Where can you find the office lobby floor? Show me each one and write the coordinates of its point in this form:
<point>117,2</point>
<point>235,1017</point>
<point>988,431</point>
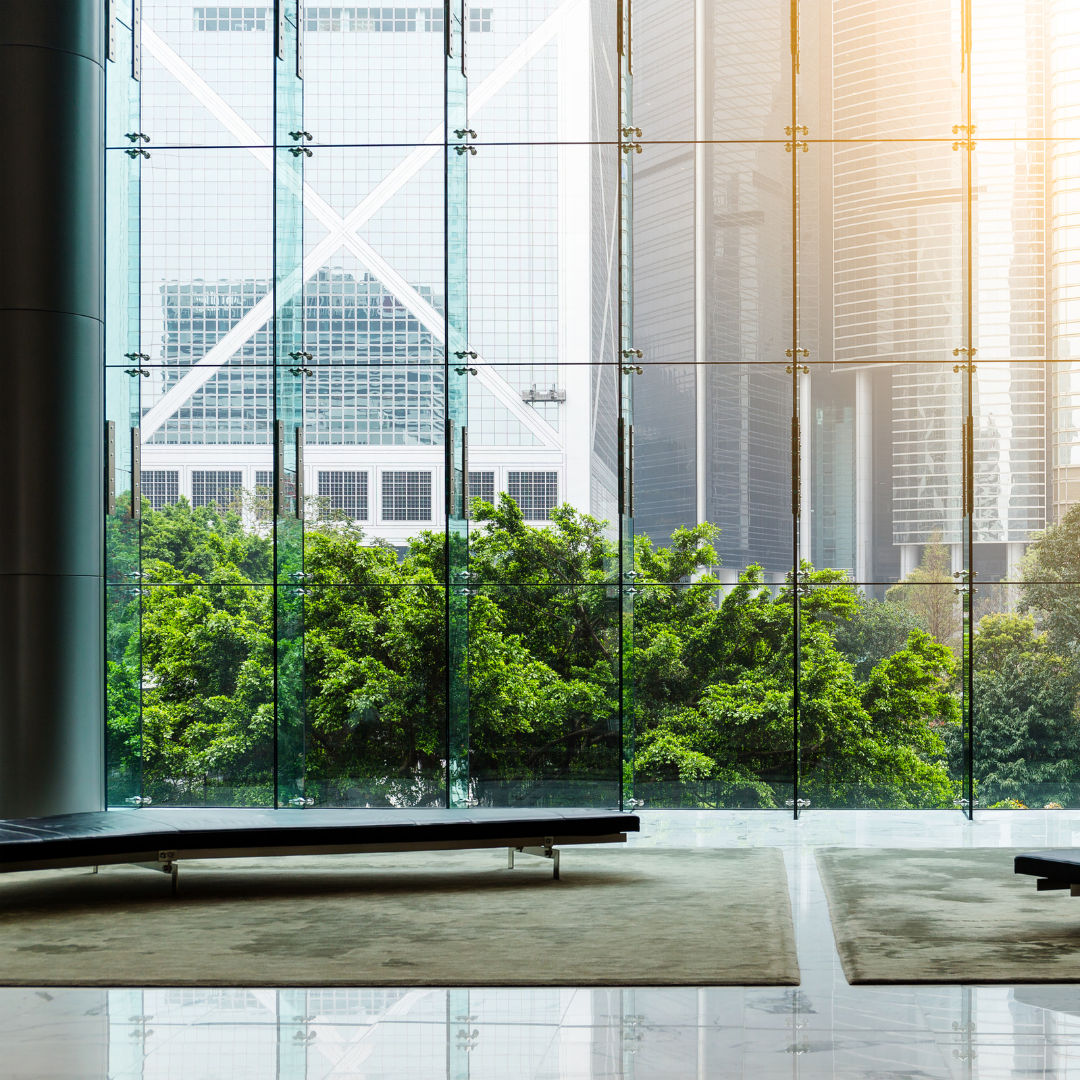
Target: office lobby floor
<point>824,1028</point>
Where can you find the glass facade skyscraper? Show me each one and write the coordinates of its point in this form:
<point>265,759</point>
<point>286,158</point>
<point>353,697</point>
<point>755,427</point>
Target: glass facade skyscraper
<point>881,216</point>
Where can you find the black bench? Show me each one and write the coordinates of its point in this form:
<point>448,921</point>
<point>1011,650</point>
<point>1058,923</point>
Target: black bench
<point>161,838</point>
<point>1055,869</point>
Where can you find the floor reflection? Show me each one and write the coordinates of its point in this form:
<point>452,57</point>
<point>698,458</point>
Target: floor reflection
<point>824,1028</point>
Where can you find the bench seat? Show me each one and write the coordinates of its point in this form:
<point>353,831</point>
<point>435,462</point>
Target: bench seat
<point>1059,869</point>
<point>163,837</point>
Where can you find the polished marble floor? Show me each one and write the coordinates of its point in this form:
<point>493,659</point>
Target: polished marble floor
<point>825,1028</point>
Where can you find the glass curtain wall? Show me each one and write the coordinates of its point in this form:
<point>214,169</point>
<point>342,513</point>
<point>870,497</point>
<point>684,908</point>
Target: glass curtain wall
<point>583,404</point>
<point>369,405</point>
<point>853,278</point>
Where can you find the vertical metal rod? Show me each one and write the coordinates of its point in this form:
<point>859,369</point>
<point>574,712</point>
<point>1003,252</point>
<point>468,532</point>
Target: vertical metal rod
<point>451,469</point>
<point>279,37</point>
<point>137,40</point>
<point>279,468</point>
<point>110,30</point>
<point>623,119</point>
<point>969,448</point>
<point>796,469</point>
<point>700,291</point>
<point>136,474</point>
<point>630,471</point>
<point>300,470</point>
<point>465,494</point>
<point>464,40</point>
<point>110,467</point>
<point>621,454</point>
<point>448,442</point>
<point>299,39</point>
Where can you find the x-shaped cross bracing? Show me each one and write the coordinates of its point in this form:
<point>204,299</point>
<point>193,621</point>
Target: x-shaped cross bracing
<point>341,231</point>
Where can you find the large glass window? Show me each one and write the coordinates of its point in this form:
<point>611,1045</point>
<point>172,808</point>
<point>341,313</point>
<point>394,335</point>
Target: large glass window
<point>580,402</point>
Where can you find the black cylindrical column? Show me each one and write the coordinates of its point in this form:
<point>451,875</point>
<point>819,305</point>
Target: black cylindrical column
<point>51,428</point>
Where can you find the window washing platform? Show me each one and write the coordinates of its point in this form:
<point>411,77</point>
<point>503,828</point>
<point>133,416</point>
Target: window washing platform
<point>160,839</point>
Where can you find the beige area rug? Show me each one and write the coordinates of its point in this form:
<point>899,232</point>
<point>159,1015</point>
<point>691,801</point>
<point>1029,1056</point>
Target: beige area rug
<point>952,915</point>
<point>619,916</point>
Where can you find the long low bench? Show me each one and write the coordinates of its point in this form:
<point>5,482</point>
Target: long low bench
<point>1058,869</point>
<point>161,839</point>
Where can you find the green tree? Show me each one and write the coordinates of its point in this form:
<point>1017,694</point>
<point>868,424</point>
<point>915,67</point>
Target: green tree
<point>875,631</point>
<point>1051,582</point>
<point>1027,734</point>
<point>929,593</point>
<point>712,678</point>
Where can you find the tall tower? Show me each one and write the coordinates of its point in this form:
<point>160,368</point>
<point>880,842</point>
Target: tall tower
<point>1065,255</point>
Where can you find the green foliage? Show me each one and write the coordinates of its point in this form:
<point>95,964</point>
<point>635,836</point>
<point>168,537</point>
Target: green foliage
<point>716,715</point>
<point>875,631</point>
<point>1051,586</point>
<point>711,672</point>
<point>1028,744</point>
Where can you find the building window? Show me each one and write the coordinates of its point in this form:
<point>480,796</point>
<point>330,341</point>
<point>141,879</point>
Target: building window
<point>217,487</point>
<point>482,486</point>
<point>373,20</point>
<point>264,494</point>
<point>343,493</point>
<point>161,487</point>
<point>480,20</point>
<point>406,496</point>
<point>537,493</point>
<point>228,19</point>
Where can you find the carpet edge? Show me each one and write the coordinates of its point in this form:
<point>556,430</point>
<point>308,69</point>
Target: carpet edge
<point>791,946</point>
<point>848,963</point>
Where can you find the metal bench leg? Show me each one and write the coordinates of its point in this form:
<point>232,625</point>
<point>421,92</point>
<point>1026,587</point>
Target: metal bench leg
<point>167,864</point>
<point>509,858</point>
<point>548,851</point>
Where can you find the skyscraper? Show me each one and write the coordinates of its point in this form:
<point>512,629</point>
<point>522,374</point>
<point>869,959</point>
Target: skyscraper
<point>370,304</point>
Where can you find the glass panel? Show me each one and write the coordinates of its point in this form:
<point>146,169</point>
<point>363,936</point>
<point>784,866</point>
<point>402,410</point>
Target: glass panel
<point>292,372</point>
<point>208,690</point>
<point>374,324</point>
<point>123,716</point>
<point>460,355</point>
<point>375,676</point>
<point>1026,681</point>
<point>882,443</point>
<point>1009,72</point>
<point>895,70</point>
<point>374,75</point>
<point>881,692</point>
<point>206,73</point>
<point>1010,391</point>
<point>713,684</point>
<point>544,695</point>
<point>123,712</point>
<point>664,82</point>
<point>745,88</point>
<point>531,76</point>
<point>665,325</point>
